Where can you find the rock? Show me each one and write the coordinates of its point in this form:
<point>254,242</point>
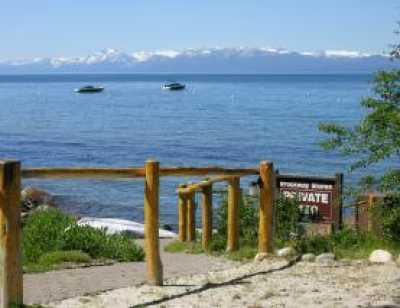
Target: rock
<point>286,252</point>
<point>33,197</point>
<point>308,257</point>
<point>33,200</point>
<point>325,258</point>
<point>261,256</point>
<point>380,256</point>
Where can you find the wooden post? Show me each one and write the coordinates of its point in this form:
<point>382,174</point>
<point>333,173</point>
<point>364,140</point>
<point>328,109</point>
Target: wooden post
<point>338,204</point>
<point>10,235</point>
<point>206,194</point>
<point>233,214</point>
<point>267,193</point>
<point>191,218</point>
<point>151,224</point>
<point>182,220</point>
<point>373,224</point>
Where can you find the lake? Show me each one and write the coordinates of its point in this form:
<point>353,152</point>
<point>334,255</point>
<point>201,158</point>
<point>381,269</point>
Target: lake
<point>226,120</point>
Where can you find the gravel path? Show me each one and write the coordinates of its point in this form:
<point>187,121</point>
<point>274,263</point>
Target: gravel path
<point>270,283</point>
<point>57,285</point>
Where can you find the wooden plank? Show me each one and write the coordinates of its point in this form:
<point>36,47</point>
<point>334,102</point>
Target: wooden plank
<point>151,224</point>
<point>135,172</point>
<point>233,215</point>
<point>202,171</point>
<point>267,194</point>
<point>206,217</point>
<point>191,218</point>
<point>92,173</point>
<point>189,189</point>
<point>10,235</point>
<point>182,220</point>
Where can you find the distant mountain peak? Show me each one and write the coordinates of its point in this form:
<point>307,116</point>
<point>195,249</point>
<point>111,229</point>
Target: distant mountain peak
<point>201,60</point>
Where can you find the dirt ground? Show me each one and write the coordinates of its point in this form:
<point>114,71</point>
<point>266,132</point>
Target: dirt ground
<point>57,285</point>
<point>270,283</point>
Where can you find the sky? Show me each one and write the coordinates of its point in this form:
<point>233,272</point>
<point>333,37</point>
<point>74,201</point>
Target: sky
<point>66,28</point>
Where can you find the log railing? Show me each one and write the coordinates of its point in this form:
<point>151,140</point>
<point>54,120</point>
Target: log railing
<point>186,209</point>
<point>10,225</point>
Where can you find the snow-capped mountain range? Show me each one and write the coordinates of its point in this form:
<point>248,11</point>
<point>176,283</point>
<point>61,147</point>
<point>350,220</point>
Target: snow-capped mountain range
<point>214,60</point>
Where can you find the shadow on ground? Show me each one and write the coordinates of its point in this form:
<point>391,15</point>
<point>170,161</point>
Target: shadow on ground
<point>208,286</point>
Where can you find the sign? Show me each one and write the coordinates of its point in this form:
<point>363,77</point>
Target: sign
<point>319,197</point>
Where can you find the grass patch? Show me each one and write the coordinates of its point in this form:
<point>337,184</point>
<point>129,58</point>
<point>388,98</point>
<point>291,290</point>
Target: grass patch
<point>53,260</point>
<point>52,237</point>
<point>26,306</point>
<point>185,247</point>
<point>56,257</point>
<point>346,243</point>
<point>245,251</point>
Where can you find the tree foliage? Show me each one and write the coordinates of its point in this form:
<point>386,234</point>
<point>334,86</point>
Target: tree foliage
<point>377,136</point>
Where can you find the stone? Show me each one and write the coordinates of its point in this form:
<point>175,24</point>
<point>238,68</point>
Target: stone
<point>34,200</point>
<point>325,258</point>
<point>380,256</point>
<point>32,197</point>
<point>286,252</point>
<point>261,256</point>
<point>308,257</point>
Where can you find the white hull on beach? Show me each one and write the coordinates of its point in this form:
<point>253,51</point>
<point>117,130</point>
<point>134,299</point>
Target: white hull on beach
<point>115,226</point>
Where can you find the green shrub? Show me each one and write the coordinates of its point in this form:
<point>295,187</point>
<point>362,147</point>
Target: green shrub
<point>87,239</point>
<point>387,217</point>
<point>316,244</point>
<point>98,244</point>
<point>49,236</point>
<point>44,232</point>
<point>124,249</point>
<point>248,219</point>
<point>288,217</point>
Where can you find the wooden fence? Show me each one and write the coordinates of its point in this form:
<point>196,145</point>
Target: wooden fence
<point>11,280</point>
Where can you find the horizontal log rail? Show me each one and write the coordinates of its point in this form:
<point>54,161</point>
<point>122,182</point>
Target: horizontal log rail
<point>134,172</point>
<point>190,188</point>
<point>10,189</point>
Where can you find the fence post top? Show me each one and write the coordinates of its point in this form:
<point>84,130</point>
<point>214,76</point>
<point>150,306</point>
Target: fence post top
<point>266,163</point>
<point>9,161</point>
<point>152,161</point>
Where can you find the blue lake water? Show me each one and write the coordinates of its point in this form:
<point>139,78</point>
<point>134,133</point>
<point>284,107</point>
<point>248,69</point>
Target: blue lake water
<point>226,120</point>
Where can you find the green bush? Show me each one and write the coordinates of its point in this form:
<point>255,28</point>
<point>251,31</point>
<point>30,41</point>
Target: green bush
<point>288,217</point>
<point>53,231</point>
<point>387,217</point>
<point>44,232</point>
<point>316,244</point>
<point>248,220</point>
<point>98,244</point>
<point>346,243</point>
